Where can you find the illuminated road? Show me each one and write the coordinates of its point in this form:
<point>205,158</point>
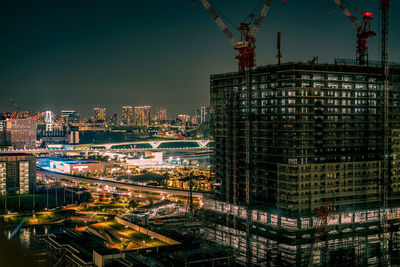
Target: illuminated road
<point>98,150</point>
<point>147,188</point>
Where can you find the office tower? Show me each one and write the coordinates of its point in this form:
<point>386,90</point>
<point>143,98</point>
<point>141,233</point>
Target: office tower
<point>161,115</point>
<point>17,173</point>
<point>183,119</point>
<point>127,115</point>
<point>142,115</point>
<point>315,140</point>
<point>69,117</point>
<point>196,119</point>
<point>205,114</point>
<point>100,115</point>
<point>22,133</point>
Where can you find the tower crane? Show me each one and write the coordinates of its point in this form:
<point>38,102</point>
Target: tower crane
<point>321,215</point>
<point>247,44</point>
<point>385,5</point>
<point>16,105</point>
<point>363,30</point>
<point>246,61</point>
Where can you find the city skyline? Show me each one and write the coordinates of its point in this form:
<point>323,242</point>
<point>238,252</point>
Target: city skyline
<point>107,52</point>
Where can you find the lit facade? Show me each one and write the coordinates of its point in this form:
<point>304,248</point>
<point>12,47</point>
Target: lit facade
<point>17,173</point>
<point>22,133</point>
<point>142,115</point>
<point>127,115</point>
<point>161,115</point>
<point>69,117</point>
<point>100,115</point>
<point>315,138</point>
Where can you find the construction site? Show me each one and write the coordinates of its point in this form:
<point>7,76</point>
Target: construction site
<point>307,154</point>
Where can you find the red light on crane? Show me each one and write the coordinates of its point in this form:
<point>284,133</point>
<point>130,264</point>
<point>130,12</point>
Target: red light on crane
<point>368,14</point>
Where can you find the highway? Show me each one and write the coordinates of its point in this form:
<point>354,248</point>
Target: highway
<point>147,188</point>
<point>97,150</point>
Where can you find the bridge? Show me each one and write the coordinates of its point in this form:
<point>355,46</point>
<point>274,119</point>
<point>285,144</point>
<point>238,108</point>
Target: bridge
<point>161,190</point>
<point>126,147</point>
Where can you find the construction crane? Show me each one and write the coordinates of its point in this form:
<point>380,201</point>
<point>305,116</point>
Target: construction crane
<point>385,5</point>
<point>363,30</point>
<point>322,216</point>
<point>247,44</point>
<point>15,104</point>
<point>246,61</point>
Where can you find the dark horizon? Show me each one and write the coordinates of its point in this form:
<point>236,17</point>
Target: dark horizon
<point>79,55</point>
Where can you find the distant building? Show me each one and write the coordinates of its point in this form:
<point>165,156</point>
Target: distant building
<point>155,160</point>
<point>142,115</point>
<point>114,119</point>
<point>22,133</point>
<point>183,119</point>
<point>161,115</point>
<point>69,116</point>
<point>127,115</point>
<point>73,166</point>
<point>197,117</point>
<point>17,173</point>
<point>99,115</point>
<point>205,114</point>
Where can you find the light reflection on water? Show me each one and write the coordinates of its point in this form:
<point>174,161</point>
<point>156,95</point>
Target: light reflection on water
<point>23,238</point>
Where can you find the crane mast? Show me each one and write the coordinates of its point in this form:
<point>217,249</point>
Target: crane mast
<point>385,5</point>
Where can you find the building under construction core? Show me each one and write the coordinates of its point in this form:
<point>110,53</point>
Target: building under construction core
<point>317,138</point>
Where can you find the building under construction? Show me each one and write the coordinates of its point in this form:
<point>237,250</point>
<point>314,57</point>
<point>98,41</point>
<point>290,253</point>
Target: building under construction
<point>306,136</point>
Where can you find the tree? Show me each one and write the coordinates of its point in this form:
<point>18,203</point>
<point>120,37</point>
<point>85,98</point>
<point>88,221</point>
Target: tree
<point>133,204</point>
<point>115,197</point>
<point>86,196</point>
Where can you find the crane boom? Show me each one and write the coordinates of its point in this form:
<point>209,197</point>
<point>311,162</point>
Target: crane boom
<point>219,21</point>
<point>348,14</point>
<point>258,21</point>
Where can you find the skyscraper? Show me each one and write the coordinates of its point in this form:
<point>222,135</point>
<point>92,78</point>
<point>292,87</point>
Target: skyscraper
<point>205,114</point>
<point>307,136</point>
<point>161,115</point>
<point>142,115</point>
<point>100,115</point>
<point>127,115</point>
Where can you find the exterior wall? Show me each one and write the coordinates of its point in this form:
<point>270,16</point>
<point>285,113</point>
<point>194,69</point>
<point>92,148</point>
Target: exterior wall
<point>22,133</point>
<point>142,115</point>
<point>71,168</point>
<point>306,119</point>
<point>17,174</point>
<point>127,115</point>
<point>352,236</point>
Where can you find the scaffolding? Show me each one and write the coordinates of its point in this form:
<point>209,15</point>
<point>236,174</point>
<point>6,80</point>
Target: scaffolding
<point>301,135</point>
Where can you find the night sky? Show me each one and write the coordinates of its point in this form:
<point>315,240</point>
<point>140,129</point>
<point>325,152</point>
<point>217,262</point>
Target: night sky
<point>78,54</point>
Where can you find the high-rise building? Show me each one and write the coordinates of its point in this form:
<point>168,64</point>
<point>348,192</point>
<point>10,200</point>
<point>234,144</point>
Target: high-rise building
<point>100,115</point>
<point>142,115</point>
<point>183,119</point>
<point>306,136</point>
<point>205,114</point>
<point>22,133</point>
<point>69,117</point>
<point>17,173</point>
<point>127,115</point>
<point>161,115</point>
